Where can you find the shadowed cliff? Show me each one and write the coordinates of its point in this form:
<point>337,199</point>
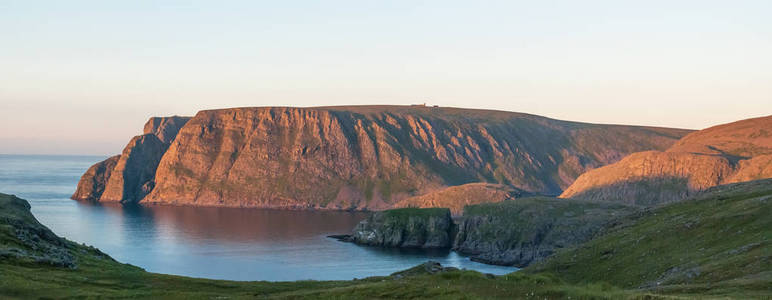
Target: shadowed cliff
<point>128,177</point>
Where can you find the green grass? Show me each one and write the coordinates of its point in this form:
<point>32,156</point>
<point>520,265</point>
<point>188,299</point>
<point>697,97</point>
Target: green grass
<point>724,233</point>
<point>716,243</point>
<point>510,221</point>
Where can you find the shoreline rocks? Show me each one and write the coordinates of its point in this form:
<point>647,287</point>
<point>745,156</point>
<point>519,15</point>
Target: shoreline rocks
<point>509,233</point>
<point>405,228</point>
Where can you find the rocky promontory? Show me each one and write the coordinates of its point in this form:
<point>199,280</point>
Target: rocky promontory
<point>356,157</point>
<point>527,230</point>
<point>130,176</point>
<point>510,233</point>
<point>405,228</point>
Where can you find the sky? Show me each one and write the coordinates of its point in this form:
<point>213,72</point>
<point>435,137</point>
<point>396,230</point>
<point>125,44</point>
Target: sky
<point>82,77</point>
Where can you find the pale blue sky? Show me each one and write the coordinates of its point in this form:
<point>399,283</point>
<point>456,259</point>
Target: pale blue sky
<point>81,77</point>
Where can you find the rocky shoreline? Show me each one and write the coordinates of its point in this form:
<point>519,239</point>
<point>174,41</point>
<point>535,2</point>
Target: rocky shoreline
<point>510,233</point>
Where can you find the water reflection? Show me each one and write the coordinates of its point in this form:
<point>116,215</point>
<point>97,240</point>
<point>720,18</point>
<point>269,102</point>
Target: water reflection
<point>222,243</point>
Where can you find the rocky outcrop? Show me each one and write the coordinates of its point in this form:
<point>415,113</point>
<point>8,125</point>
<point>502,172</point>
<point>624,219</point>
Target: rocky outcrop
<point>406,228</point>
<point>92,183</point>
<point>528,230</point>
<point>723,154</point>
<point>130,176</point>
<point>370,157</point>
<point>511,233</point>
<point>456,197</point>
<point>165,128</point>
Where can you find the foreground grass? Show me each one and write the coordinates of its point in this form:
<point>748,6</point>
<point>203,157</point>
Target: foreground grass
<point>713,246</point>
<point>111,280</point>
<point>718,243</point>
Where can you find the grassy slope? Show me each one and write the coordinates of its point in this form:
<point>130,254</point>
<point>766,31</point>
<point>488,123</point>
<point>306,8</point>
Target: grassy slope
<point>716,243</point>
<point>525,230</point>
<point>725,234</point>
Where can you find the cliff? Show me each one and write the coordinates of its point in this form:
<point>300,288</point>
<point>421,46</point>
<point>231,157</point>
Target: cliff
<point>367,157</point>
<point>513,232</point>
<point>528,230</point>
<point>405,227</point>
<point>92,184</point>
<point>130,176</point>
<point>729,153</point>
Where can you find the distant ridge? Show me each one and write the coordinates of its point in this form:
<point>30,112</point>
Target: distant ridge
<point>734,152</point>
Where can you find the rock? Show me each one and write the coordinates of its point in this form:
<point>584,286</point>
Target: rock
<point>527,230</point>
<point>729,153</point>
<point>367,157</point>
<point>23,240</point>
<point>405,227</point>
<point>129,177</point>
<point>132,177</point>
<point>341,237</point>
<point>92,183</point>
<point>165,128</point>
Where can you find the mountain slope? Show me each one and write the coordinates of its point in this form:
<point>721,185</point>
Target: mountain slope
<point>719,240</point>
<point>456,197</point>
<point>371,157</point>
<point>734,152</point>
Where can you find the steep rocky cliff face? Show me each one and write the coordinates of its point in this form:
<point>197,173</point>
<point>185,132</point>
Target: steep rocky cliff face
<point>129,177</point>
<point>513,232</point>
<point>371,157</point>
<point>456,197</point>
<point>92,183</point>
<point>528,230</point>
<point>406,228</point>
<point>165,128</point>
<point>729,153</point>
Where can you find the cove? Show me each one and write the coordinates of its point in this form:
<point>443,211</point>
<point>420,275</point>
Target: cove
<point>218,243</point>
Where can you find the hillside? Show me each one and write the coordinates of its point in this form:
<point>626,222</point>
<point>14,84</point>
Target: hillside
<point>456,197</point>
<point>716,245</point>
<point>358,157</point>
<point>528,230</point>
<point>729,153</point>
<point>716,242</point>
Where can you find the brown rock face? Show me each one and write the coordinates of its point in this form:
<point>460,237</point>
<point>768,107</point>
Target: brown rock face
<point>92,183</point>
<point>729,153</point>
<point>128,177</point>
<point>456,197</point>
<point>373,156</point>
<point>369,157</point>
<point>165,128</point>
<point>133,175</point>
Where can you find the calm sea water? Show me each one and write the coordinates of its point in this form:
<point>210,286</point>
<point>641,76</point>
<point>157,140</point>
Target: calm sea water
<point>220,243</point>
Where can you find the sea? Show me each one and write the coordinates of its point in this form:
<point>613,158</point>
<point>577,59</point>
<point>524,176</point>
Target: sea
<point>245,244</point>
